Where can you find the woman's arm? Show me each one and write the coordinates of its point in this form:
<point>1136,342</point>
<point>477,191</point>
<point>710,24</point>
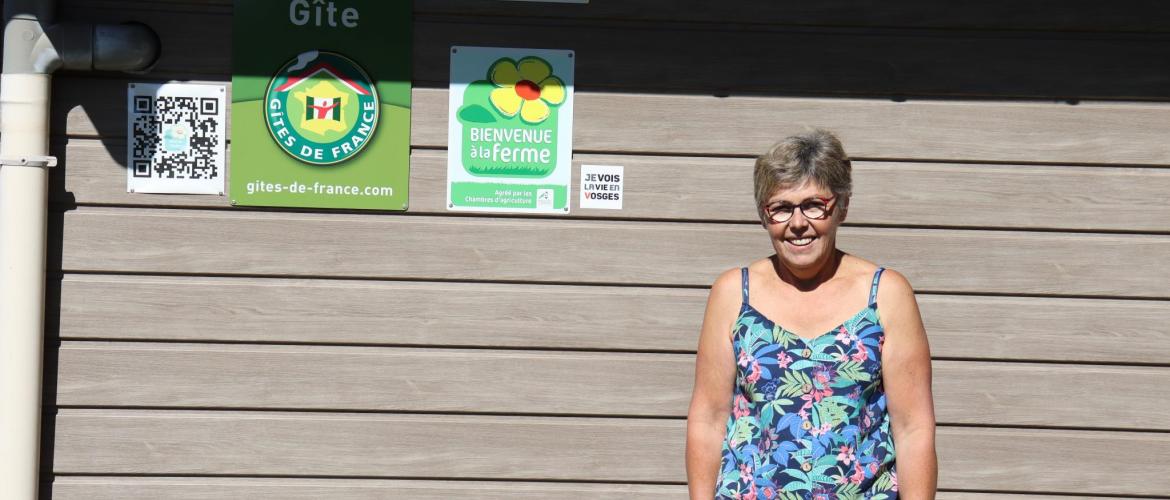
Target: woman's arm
<point>906,375</point>
<point>714,379</point>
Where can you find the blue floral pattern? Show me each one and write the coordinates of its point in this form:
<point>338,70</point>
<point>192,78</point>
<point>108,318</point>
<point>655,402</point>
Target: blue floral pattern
<point>809,416</point>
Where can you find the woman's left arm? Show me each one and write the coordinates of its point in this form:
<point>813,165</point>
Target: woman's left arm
<point>906,375</point>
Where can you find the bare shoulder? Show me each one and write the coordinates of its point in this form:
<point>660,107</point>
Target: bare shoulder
<point>723,303</point>
<point>860,271</point>
<point>760,268</point>
<point>725,290</point>
<point>894,289</point>
<point>897,307</point>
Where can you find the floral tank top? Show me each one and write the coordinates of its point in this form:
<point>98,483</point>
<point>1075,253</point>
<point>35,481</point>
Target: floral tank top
<point>809,415</point>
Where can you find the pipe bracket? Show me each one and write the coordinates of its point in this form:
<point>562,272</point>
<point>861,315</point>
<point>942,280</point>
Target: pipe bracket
<point>30,161</point>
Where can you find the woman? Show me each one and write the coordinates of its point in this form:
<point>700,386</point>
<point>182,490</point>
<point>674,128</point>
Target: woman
<point>781,412</point>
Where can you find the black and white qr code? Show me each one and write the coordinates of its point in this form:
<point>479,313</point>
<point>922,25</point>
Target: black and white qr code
<point>176,137</point>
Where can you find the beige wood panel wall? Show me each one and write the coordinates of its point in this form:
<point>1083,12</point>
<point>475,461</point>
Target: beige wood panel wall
<point>120,488</point>
<point>1011,161</point>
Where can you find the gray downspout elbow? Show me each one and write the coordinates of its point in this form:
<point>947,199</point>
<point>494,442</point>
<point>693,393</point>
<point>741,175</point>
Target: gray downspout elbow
<point>30,48</point>
<point>132,47</point>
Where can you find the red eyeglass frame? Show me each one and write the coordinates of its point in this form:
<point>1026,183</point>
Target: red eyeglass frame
<point>829,207</point>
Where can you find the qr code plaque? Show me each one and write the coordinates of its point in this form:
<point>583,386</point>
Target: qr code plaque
<point>175,138</point>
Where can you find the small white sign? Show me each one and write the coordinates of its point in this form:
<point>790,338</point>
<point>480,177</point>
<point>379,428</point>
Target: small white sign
<point>175,138</point>
<point>601,186</point>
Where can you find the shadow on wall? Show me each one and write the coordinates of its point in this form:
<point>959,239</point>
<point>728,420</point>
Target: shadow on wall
<point>908,50</point>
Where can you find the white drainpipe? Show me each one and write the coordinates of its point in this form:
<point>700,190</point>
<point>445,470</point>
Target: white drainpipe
<point>33,49</point>
<point>23,99</point>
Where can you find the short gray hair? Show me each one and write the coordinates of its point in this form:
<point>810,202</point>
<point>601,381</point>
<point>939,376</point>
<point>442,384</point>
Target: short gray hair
<point>816,155</point>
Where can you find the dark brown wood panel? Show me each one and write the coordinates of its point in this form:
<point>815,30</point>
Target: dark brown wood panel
<point>984,131</point>
<point>122,374</point>
<point>996,14</point>
<point>1079,15</point>
<point>1074,15</point>
<point>721,58</point>
<point>719,189</point>
<point>1146,15</point>
<point>114,240</point>
<point>560,317</point>
<point>553,448</point>
<point>730,60</point>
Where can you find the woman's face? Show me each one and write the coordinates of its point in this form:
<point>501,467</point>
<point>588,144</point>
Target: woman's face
<point>804,245</point>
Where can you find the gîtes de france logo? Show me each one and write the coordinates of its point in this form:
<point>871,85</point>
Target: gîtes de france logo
<point>321,108</point>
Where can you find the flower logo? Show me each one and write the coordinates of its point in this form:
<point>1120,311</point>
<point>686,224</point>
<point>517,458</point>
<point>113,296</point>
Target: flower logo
<point>527,87</point>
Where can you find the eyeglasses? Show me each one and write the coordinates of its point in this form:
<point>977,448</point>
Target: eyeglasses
<point>815,208</point>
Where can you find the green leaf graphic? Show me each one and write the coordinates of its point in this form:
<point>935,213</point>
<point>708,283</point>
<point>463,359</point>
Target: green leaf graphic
<point>474,113</point>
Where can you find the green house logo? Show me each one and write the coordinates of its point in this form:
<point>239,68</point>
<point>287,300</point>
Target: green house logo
<point>321,108</point>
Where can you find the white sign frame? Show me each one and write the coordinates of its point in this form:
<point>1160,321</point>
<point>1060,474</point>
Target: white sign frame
<point>462,73</point>
<point>174,139</point>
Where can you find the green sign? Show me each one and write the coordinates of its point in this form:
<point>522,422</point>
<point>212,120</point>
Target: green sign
<point>510,130</point>
<point>321,104</point>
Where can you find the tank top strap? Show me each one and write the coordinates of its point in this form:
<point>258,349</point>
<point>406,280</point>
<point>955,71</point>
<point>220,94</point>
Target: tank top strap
<point>744,288</point>
<point>877,275</point>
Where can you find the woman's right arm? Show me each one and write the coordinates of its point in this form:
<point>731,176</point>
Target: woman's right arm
<point>714,381</point>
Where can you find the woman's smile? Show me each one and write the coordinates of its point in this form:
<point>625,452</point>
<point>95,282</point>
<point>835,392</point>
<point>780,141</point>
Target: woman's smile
<point>801,242</point>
